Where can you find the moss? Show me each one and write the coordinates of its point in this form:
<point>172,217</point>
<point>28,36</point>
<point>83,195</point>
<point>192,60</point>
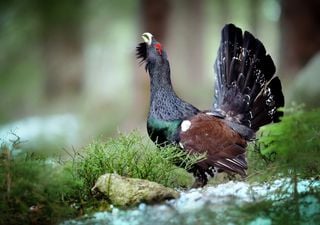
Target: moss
<point>290,147</point>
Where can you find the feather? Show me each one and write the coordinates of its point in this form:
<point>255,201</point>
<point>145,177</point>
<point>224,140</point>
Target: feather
<point>246,90</point>
<point>141,52</point>
<point>224,148</point>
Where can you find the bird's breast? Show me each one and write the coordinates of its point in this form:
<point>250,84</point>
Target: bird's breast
<point>163,132</point>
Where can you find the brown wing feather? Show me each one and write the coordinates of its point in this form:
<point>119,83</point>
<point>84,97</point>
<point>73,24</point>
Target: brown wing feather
<point>224,147</point>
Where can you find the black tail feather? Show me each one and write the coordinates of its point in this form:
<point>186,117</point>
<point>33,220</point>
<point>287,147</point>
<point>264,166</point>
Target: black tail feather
<point>246,90</point>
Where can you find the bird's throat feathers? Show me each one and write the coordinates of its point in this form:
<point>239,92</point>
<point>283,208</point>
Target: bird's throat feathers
<point>159,73</point>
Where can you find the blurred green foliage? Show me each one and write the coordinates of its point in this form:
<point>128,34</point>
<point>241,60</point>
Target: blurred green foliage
<point>34,190</point>
<point>291,146</point>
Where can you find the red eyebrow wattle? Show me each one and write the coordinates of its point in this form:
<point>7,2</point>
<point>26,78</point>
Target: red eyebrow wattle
<point>158,48</point>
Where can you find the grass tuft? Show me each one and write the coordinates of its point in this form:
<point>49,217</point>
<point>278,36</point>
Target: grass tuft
<point>134,156</point>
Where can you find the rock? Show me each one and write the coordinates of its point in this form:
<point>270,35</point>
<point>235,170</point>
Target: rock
<point>124,191</point>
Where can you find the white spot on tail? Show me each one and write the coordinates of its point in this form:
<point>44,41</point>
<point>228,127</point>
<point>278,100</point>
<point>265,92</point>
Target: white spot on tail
<point>185,125</point>
<point>235,162</point>
<point>223,164</point>
<point>181,145</point>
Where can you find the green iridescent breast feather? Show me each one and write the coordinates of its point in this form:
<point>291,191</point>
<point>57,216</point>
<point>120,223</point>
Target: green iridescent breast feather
<point>163,132</point>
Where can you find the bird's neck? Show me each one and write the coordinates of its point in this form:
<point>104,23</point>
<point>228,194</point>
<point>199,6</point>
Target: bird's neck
<point>163,98</point>
<point>160,78</point>
<point>167,110</point>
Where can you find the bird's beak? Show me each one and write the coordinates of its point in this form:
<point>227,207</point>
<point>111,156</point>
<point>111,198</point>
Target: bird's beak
<point>147,38</point>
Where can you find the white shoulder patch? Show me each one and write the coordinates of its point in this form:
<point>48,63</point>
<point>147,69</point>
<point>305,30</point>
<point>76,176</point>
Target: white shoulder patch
<point>185,125</point>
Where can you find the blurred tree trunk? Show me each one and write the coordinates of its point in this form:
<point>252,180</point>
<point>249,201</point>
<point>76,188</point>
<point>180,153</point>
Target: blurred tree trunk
<point>155,16</point>
<point>300,34</point>
<point>62,46</point>
<point>194,38</point>
<point>63,60</point>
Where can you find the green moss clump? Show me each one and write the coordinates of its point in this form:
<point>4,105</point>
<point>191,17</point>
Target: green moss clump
<point>292,145</point>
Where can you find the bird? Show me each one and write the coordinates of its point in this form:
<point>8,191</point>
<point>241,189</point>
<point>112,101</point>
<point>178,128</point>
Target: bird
<point>247,95</point>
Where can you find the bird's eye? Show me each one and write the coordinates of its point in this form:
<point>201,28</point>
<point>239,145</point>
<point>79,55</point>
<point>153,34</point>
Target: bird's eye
<point>158,48</point>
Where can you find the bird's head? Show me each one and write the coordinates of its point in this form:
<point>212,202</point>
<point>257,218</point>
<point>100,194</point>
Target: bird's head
<point>150,51</point>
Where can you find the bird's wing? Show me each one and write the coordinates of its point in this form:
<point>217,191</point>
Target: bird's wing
<point>224,148</point>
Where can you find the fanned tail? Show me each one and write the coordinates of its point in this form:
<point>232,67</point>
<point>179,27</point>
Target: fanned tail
<point>246,90</point>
